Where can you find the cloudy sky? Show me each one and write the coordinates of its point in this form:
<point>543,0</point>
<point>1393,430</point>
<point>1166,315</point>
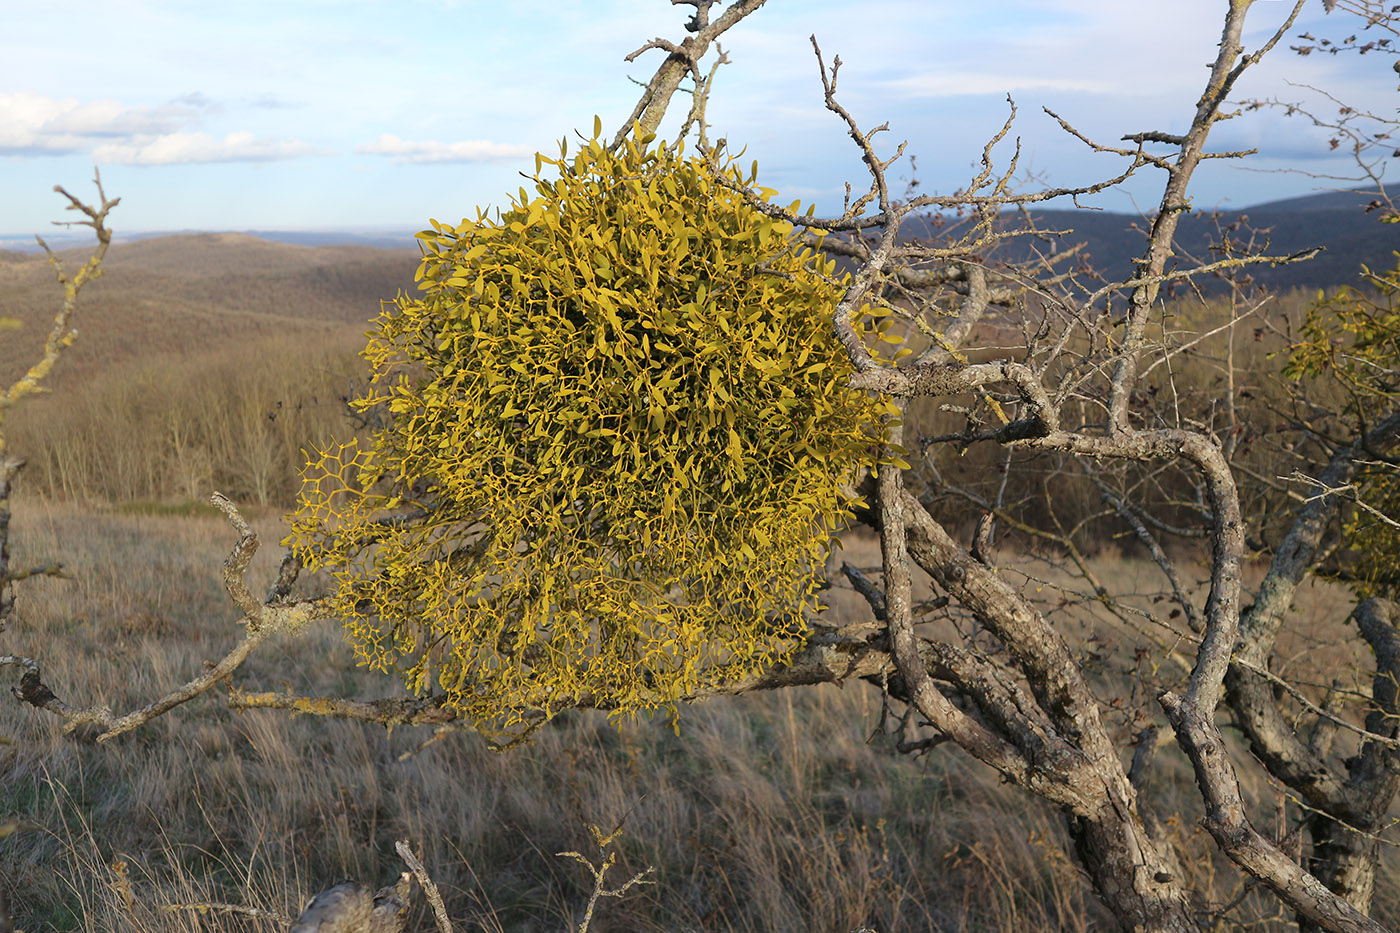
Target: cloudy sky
<point>361,114</point>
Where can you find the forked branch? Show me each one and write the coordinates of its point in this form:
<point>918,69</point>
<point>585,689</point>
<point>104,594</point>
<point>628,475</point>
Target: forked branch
<point>260,621</point>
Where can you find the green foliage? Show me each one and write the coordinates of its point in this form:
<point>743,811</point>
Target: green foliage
<point>618,424</point>
<point>1354,337</point>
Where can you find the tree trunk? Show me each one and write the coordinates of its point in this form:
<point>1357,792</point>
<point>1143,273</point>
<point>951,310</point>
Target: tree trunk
<point>1345,861</point>
<point>1129,873</point>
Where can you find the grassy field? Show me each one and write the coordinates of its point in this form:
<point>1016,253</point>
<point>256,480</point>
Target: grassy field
<point>785,812</point>
<point>171,430</point>
<point>764,813</point>
<point>203,362</point>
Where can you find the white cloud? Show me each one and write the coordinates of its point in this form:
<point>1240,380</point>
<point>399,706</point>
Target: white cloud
<point>35,125</point>
<point>23,117</point>
<point>184,148</point>
<point>474,150</point>
<point>32,124</point>
<point>107,118</point>
<point>953,84</point>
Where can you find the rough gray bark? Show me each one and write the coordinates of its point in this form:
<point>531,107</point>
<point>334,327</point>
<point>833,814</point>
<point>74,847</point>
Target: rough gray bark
<point>1352,803</point>
<point>1345,843</point>
<point>350,907</point>
<point>681,60</point>
<point>1067,753</point>
<point>8,468</point>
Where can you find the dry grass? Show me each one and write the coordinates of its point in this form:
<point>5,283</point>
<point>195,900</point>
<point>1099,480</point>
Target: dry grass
<point>764,813</point>
<point>168,431</point>
<point>167,296</point>
<point>205,361</point>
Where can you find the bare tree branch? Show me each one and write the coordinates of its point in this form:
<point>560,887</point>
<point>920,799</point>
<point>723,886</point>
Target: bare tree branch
<point>261,620</point>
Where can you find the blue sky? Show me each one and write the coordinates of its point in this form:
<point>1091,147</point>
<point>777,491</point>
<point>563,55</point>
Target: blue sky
<point>361,114</point>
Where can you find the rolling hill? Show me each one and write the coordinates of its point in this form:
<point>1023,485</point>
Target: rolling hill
<point>1337,221</point>
<point>192,292</point>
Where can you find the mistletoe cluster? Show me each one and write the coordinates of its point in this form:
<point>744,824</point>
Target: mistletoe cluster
<point>618,426</point>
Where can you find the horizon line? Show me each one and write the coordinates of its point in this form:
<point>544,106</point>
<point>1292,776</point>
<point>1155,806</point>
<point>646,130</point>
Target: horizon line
<point>24,241</point>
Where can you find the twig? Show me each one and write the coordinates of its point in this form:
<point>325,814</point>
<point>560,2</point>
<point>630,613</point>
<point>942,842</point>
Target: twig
<point>430,890</point>
<point>255,912</point>
<point>54,569</point>
<point>600,871</point>
<point>1300,477</point>
<point>60,335</point>
<point>1154,548</point>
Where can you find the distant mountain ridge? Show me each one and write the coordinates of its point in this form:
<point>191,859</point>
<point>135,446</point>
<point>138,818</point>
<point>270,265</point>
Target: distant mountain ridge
<point>384,238</point>
<point>1337,221</point>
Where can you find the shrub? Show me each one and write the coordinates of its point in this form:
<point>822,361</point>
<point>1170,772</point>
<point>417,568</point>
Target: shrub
<point>1354,337</point>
